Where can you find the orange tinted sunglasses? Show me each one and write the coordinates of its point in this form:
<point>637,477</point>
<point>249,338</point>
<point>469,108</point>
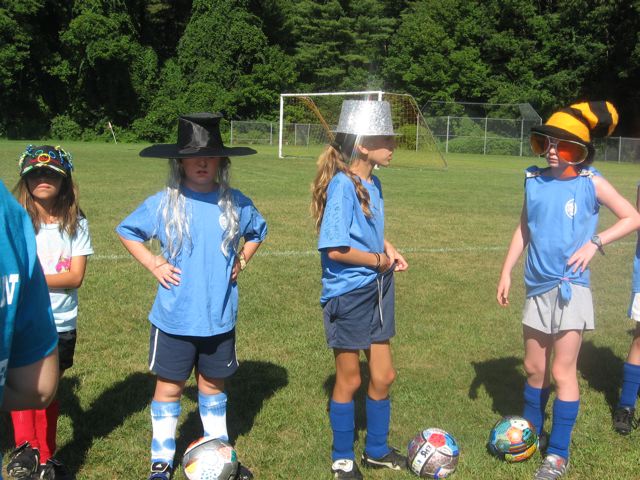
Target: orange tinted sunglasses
<point>568,150</point>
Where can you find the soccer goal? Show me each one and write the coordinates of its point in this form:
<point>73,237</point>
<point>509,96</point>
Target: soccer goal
<point>307,122</point>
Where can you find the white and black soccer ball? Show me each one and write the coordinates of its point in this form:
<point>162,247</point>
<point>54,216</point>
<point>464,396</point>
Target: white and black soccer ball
<point>433,453</point>
<point>210,459</point>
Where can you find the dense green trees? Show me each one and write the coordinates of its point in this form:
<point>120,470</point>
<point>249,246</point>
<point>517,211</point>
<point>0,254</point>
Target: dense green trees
<point>69,67</point>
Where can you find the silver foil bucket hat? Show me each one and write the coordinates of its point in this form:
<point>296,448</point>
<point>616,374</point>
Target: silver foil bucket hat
<point>365,118</point>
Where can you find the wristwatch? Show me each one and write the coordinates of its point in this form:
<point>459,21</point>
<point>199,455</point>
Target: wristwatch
<point>598,243</point>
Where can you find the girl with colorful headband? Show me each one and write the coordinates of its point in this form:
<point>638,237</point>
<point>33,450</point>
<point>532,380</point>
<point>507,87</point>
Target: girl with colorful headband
<point>357,280</point>
<point>47,191</point>
<point>558,228</point>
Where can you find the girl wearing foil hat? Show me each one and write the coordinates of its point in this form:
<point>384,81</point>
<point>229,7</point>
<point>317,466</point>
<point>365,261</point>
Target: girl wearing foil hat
<point>199,221</point>
<point>558,227</point>
<point>357,280</point>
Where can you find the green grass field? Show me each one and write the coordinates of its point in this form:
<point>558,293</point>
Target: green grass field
<point>458,355</point>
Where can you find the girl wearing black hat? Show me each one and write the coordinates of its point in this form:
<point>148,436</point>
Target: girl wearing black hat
<point>198,220</point>
<point>558,227</point>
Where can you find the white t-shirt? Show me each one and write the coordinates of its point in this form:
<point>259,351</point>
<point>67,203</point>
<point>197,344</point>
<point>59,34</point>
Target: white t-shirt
<point>55,250</point>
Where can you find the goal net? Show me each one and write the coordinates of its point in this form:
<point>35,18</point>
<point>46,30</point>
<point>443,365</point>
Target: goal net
<point>307,122</point>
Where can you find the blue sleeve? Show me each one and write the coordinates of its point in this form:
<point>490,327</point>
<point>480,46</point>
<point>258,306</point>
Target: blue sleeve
<point>35,334</point>
<point>338,214</point>
<point>253,227</point>
<point>141,224</point>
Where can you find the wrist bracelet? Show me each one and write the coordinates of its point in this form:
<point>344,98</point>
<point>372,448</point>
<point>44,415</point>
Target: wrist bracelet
<point>377,267</point>
<point>242,260</point>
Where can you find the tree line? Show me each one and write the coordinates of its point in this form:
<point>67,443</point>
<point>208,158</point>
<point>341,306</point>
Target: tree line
<point>67,67</point>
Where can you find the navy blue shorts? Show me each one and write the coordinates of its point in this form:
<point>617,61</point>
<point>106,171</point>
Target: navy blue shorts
<point>357,319</point>
<point>66,349</point>
<point>174,356</point>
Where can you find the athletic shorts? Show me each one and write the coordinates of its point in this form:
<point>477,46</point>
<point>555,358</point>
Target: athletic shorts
<point>547,314</point>
<point>357,319</point>
<point>66,349</point>
<point>173,357</point>
<point>634,307</point>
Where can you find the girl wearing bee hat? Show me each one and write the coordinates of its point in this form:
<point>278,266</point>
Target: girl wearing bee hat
<point>199,221</point>
<point>558,226</point>
<point>357,280</point>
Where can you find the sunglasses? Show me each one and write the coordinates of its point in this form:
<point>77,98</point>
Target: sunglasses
<point>568,150</point>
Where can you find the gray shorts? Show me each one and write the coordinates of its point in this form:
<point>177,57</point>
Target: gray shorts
<point>357,319</point>
<point>546,314</point>
<point>634,307</point>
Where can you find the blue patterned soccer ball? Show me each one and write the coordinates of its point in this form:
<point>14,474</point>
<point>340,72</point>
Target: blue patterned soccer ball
<point>433,453</point>
<point>210,459</point>
<point>513,439</point>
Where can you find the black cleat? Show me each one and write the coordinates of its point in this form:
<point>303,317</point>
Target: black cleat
<point>23,462</point>
<point>623,420</point>
<point>392,460</point>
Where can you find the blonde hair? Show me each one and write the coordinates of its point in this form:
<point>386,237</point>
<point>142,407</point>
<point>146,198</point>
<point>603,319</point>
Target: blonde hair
<point>177,220</point>
<point>330,162</point>
<point>66,208</point>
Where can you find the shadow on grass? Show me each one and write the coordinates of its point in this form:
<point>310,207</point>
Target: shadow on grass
<point>602,370</point>
<point>107,412</point>
<point>503,380</point>
<point>359,398</point>
<point>252,384</point>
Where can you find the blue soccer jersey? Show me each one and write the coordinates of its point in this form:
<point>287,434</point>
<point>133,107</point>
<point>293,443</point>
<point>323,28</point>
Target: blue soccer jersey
<point>344,224</point>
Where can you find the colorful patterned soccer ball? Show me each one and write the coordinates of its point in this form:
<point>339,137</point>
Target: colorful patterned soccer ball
<point>210,459</point>
<point>433,453</point>
<point>513,439</point>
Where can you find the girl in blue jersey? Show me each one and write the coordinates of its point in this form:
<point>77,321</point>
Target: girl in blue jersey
<point>558,225</point>
<point>624,414</point>
<point>357,280</point>
<point>198,220</point>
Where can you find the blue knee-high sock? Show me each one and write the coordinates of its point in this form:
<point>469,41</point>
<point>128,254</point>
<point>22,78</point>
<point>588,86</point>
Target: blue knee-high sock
<point>630,385</point>
<point>535,403</point>
<point>564,418</point>
<point>342,417</point>
<point>378,418</point>
<point>164,419</point>
<point>213,413</point>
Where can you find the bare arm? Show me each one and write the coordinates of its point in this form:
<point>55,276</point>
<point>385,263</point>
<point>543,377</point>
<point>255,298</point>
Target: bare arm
<point>354,256</point>
<point>248,250</point>
<point>519,241</point>
<point>71,279</point>
<point>165,273</point>
<point>628,221</point>
<point>32,386</point>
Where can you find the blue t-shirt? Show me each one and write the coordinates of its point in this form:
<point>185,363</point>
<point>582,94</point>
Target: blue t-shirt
<point>562,215</point>
<point>27,331</point>
<point>635,284</point>
<point>206,302</point>
<point>344,224</point>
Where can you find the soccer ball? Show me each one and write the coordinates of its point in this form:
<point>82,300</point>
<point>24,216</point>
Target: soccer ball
<point>513,439</point>
<point>433,453</point>
<point>210,459</point>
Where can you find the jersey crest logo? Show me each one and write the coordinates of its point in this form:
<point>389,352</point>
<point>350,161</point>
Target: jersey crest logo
<point>570,208</point>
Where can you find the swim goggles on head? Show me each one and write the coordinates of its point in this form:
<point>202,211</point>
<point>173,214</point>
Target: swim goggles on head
<point>567,150</point>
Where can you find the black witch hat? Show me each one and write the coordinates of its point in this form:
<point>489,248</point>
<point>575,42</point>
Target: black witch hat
<point>198,136</point>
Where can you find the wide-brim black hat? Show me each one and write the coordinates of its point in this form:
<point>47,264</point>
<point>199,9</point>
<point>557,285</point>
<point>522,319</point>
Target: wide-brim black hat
<point>198,136</point>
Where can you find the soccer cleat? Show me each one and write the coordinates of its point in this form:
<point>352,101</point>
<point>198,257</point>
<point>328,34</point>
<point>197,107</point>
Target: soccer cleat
<point>52,470</point>
<point>243,473</point>
<point>623,420</point>
<point>392,460</point>
<point>345,469</point>
<point>23,462</point>
<point>160,471</point>
<point>553,466</point>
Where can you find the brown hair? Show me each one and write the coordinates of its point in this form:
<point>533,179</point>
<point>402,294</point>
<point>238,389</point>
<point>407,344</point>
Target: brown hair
<point>330,162</point>
<point>66,208</point>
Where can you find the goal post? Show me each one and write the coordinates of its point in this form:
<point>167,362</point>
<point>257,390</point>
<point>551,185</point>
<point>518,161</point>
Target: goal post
<point>307,122</point>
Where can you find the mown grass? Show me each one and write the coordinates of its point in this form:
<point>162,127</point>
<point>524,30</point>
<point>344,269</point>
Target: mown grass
<point>457,353</point>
